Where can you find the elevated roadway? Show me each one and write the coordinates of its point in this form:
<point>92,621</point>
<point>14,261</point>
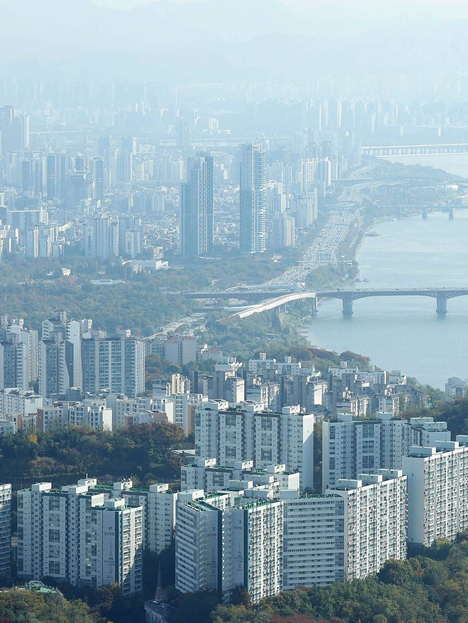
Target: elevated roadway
<point>442,295</point>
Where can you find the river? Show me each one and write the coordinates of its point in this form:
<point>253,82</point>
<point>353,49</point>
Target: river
<point>405,333</point>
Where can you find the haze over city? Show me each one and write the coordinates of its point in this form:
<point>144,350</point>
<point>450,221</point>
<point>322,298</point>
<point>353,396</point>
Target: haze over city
<point>233,309</point>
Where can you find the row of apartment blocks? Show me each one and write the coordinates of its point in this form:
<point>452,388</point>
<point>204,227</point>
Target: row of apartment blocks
<point>269,542</point>
<point>171,402</point>
<point>277,384</point>
<point>70,354</point>
<point>267,536</point>
<point>246,524</point>
<point>351,446</point>
<point>92,535</point>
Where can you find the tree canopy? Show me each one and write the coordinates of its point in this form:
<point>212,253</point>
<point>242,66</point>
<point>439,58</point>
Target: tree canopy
<point>142,452</point>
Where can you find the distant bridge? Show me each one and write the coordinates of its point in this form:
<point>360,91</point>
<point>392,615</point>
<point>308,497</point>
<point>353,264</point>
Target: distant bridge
<point>442,295</point>
<point>349,296</point>
<point>402,150</point>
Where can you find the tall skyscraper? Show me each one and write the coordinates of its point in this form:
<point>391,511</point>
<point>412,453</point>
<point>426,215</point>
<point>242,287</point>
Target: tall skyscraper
<point>197,214</point>
<point>57,165</point>
<point>252,200</point>
<point>124,167</point>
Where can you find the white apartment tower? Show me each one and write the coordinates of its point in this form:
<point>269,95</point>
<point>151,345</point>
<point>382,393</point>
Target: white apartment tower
<point>79,537</point>
<point>346,534</point>
<point>18,354</point>
<point>376,516</point>
<point>437,490</point>
<point>220,547</point>
<point>247,433</point>
<point>314,549</point>
<point>5,531</point>
<point>114,363</point>
<point>354,446</point>
<point>252,199</point>
<point>159,510</point>
<point>60,362</point>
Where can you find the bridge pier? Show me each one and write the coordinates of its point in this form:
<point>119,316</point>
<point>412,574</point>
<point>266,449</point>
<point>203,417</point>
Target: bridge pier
<point>314,306</point>
<point>451,215</point>
<point>441,304</point>
<point>424,214</point>
<point>347,307</point>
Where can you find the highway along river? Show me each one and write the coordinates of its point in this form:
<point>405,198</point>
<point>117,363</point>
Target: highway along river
<point>405,332</point>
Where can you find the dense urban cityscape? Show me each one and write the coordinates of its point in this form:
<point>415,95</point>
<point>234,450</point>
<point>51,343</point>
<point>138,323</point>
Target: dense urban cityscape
<point>188,429</point>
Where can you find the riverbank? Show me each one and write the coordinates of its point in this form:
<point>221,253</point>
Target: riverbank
<point>405,332</point>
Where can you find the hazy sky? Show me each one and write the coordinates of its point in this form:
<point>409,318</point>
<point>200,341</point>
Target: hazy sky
<point>450,9</point>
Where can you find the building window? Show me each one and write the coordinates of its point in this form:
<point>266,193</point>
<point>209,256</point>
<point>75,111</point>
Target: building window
<point>367,431</point>
<point>231,420</point>
<point>231,452</point>
<point>54,536</point>
<point>266,455</point>
<point>54,567</point>
<point>267,424</point>
<point>54,551</point>
<point>54,504</point>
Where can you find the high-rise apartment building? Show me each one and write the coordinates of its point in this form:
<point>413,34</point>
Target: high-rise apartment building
<point>197,215</point>
<point>252,200</point>
<point>115,363</point>
<point>346,534</point>
<point>106,235</point>
<point>437,490</point>
<point>314,550</point>
<point>248,433</point>
<point>5,531</point>
<point>57,166</point>
<point>14,131</point>
<point>159,510</point>
<point>18,354</point>
<point>181,349</point>
<point>75,536</point>
<point>99,171</point>
<point>220,547</point>
<point>60,362</point>
<point>284,231</point>
<point>101,237</point>
<point>354,446</point>
<point>124,167</point>
<point>376,515</point>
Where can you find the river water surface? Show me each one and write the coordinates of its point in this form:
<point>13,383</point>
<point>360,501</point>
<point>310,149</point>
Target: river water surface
<point>405,332</point>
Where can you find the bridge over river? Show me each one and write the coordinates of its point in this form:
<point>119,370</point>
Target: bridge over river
<point>441,295</point>
<point>349,296</point>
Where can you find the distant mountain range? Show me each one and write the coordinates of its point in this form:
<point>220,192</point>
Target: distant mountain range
<point>210,41</point>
